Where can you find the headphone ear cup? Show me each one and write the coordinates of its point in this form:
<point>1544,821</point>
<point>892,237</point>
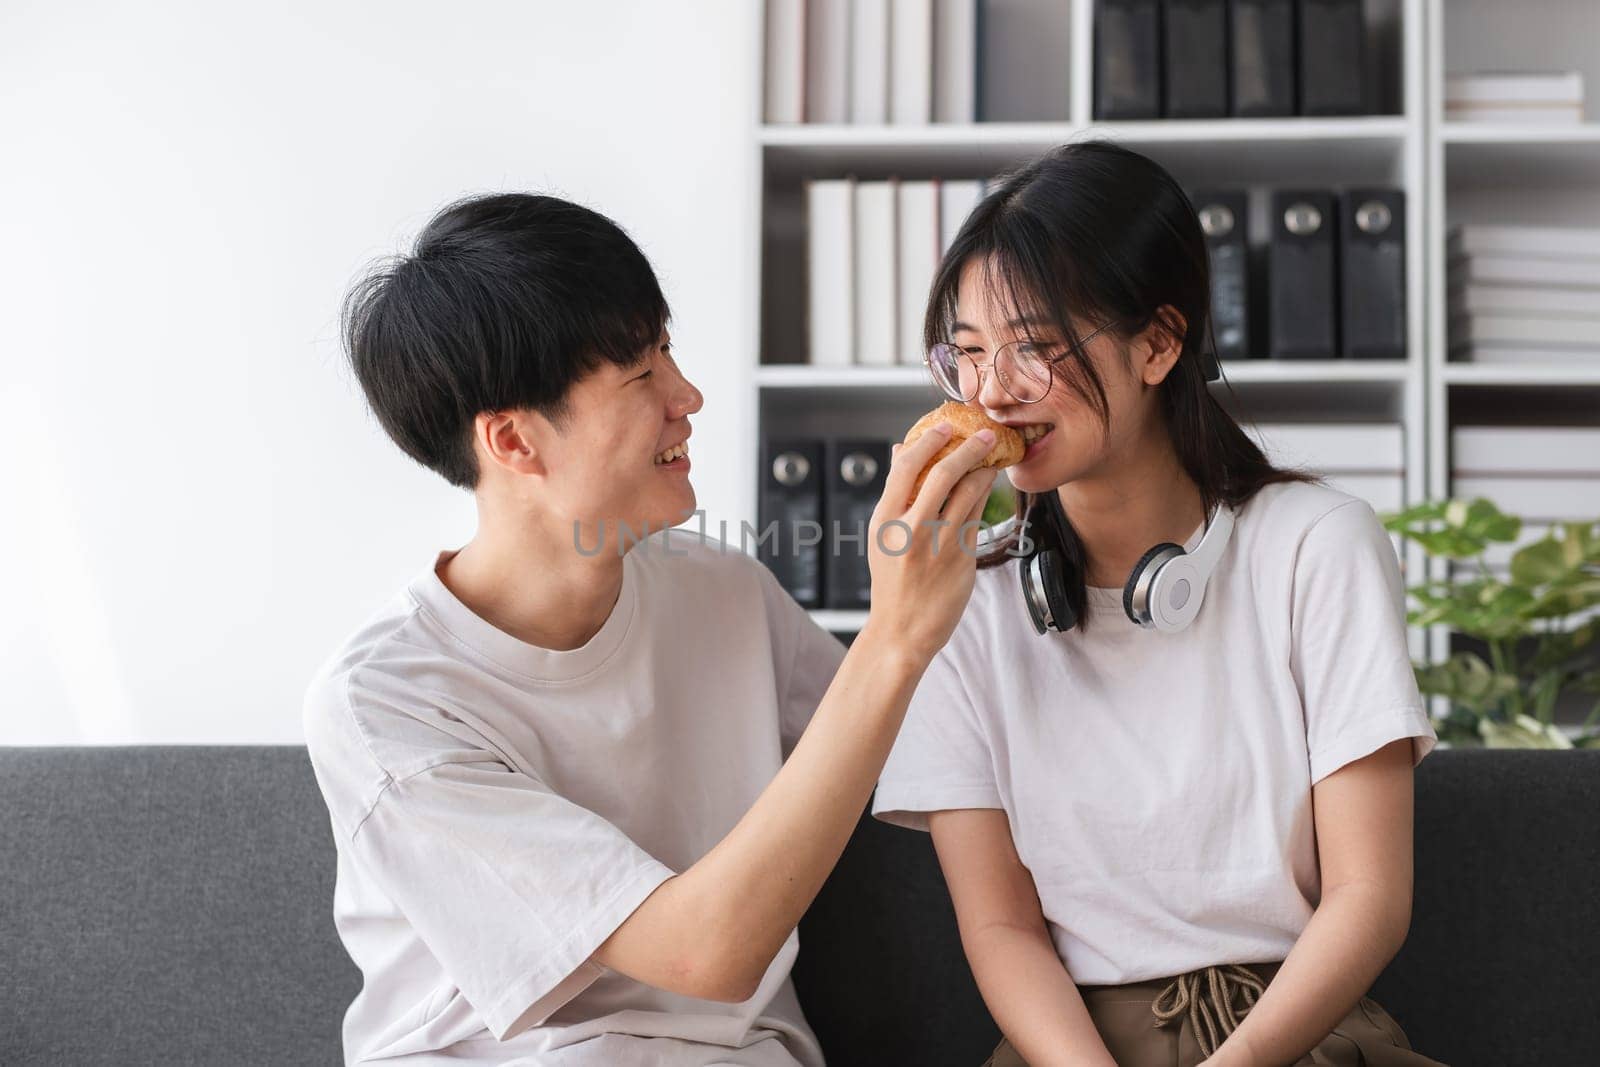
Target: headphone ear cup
<point>1053,571</point>
<point>1044,591</point>
<point>1176,592</point>
<point>1166,550</point>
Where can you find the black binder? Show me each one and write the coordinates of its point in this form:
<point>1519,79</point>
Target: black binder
<point>1302,306</point>
<point>790,513</point>
<point>1332,42</point>
<point>1372,264</point>
<point>1261,33</point>
<point>1225,221</point>
<point>1195,43</point>
<point>1127,59</point>
<point>856,473</point>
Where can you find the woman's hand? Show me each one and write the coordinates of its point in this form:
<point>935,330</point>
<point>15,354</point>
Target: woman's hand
<point>1007,942</point>
<point>923,554</point>
<point>1233,1053</point>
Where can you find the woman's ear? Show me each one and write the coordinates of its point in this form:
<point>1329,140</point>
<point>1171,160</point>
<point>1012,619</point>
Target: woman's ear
<point>1161,344</point>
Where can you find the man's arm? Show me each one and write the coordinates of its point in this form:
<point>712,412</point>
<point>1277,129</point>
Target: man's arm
<point>713,930</point>
<point>1028,990</point>
<point>1363,817</point>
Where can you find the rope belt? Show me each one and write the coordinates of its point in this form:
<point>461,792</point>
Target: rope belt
<point>1214,1000</point>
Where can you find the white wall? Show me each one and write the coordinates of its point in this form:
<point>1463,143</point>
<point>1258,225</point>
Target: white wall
<point>195,507</point>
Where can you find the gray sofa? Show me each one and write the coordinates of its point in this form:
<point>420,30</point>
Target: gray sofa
<point>164,905</point>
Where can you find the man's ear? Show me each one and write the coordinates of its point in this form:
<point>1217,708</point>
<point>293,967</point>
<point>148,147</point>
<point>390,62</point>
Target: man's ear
<point>509,439</point>
<point>1161,344</point>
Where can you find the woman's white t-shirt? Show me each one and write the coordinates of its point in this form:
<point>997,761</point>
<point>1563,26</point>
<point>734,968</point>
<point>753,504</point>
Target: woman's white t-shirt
<point>499,809</point>
<point>1158,786</point>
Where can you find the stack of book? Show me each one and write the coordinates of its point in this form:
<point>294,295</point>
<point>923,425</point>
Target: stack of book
<point>1546,99</point>
<point>1366,460</point>
<point>872,250</point>
<point>1524,294</point>
<point>1193,59</point>
<point>872,62</point>
<point>1543,475</point>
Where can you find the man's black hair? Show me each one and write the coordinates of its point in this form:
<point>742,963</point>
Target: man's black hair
<point>506,301</point>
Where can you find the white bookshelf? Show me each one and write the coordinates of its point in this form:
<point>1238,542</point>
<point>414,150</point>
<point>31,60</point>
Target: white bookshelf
<point>1265,371</point>
<point>1488,374</point>
<point>1477,154</point>
<point>1445,170</point>
<point>1494,173</point>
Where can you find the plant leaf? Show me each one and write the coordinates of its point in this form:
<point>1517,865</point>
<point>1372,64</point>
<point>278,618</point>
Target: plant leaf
<point>1541,562</point>
<point>1522,732</point>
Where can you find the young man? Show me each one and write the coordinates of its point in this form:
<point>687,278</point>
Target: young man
<point>576,817</point>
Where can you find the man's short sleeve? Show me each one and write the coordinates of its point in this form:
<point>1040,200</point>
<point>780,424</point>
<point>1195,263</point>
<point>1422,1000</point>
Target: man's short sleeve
<point>1349,653</point>
<point>511,886</point>
<point>942,758</point>
<point>807,658</point>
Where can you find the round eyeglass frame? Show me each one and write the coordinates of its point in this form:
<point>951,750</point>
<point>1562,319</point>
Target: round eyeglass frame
<point>953,391</point>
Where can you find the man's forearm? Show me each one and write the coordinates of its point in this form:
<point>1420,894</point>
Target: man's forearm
<point>727,916</point>
<point>1033,998</point>
<point>765,873</point>
<point>1354,933</point>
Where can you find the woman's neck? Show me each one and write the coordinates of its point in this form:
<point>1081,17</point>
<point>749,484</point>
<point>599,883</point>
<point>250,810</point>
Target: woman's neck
<point>1122,511</point>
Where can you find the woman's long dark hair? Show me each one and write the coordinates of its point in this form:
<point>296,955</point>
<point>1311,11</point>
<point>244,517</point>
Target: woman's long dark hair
<point>1098,232</point>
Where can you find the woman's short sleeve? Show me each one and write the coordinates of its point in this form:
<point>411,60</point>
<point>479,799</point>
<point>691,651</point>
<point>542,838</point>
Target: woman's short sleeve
<point>1348,652</point>
<point>942,758</point>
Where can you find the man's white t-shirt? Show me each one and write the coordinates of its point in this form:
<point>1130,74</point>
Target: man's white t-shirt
<point>1158,786</point>
<point>499,809</point>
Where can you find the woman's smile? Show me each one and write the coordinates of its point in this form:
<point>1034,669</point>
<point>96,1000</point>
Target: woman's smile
<point>1036,437</point>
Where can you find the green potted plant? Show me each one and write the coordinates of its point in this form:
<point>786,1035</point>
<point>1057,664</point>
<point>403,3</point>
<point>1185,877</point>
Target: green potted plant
<point>1536,623</point>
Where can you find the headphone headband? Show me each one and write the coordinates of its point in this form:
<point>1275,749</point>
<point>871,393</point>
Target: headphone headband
<point>1218,529</point>
<point>1163,592</point>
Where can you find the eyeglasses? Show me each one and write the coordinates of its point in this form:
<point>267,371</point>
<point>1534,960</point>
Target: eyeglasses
<point>1025,369</point>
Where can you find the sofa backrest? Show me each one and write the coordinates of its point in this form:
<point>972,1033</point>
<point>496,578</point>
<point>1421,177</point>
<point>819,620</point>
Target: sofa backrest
<point>174,905</point>
<point>167,905</point>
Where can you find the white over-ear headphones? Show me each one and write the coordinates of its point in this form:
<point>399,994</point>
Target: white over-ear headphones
<point>1164,590</point>
<point>1166,587</point>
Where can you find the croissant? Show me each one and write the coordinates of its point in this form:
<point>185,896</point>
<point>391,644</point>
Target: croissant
<point>964,422</point>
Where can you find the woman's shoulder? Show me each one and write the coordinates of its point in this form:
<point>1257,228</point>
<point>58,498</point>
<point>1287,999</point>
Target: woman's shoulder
<point>1288,526</point>
<point>1287,511</point>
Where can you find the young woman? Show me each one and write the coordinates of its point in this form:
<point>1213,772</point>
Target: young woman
<point>1176,824</point>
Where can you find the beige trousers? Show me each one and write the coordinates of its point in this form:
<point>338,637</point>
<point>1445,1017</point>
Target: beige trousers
<point>1202,1008</point>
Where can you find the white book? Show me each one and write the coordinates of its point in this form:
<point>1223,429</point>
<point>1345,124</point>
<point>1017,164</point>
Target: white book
<point>911,62</point>
<point>955,60</point>
<point>1385,492</point>
<point>956,201</point>
<point>1524,270</point>
<point>786,51</point>
<point>1476,450</point>
<point>869,63</point>
<point>1517,115</point>
<point>1523,330</point>
<point>1525,300</point>
<point>1548,499</point>
<point>1526,356</point>
<point>830,271</point>
<point>877,290</point>
<point>1555,87</point>
<point>1344,448</point>
<point>1543,242</point>
<point>827,54</point>
<point>919,260</point>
